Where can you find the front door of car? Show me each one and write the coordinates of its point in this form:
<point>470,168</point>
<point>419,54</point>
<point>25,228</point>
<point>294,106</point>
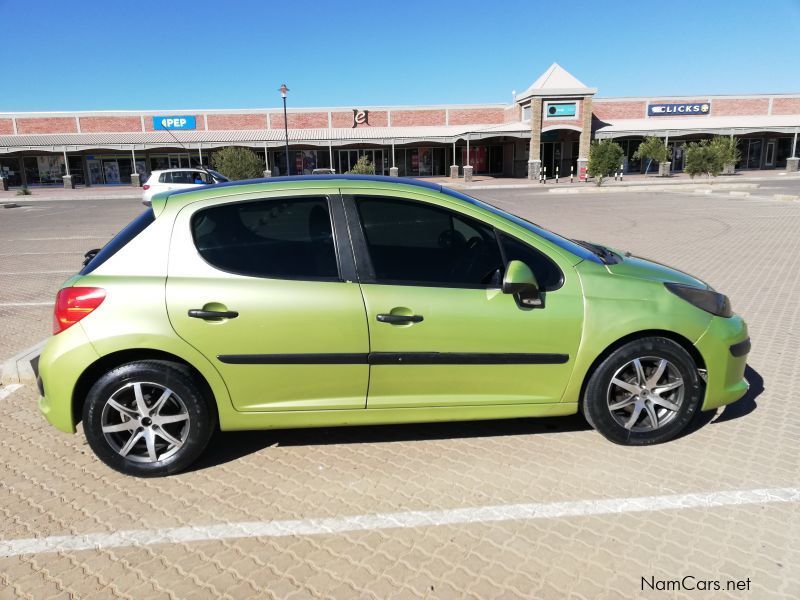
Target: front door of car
<point>260,287</point>
<point>441,331</point>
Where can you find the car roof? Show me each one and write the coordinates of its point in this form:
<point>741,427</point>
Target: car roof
<point>181,169</point>
<point>317,178</point>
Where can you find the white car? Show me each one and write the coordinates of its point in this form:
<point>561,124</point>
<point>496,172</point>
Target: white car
<point>178,179</point>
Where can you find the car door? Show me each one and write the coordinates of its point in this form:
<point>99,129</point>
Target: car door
<point>441,331</point>
<point>266,291</point>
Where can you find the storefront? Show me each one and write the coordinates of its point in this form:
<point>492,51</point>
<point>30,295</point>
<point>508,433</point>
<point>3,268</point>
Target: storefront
<point>545,129</point>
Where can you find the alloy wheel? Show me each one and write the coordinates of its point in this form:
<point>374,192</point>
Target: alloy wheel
<point>145,422</point>
<point>645,394</point>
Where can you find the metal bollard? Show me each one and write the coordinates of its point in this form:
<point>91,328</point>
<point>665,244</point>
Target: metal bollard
<point>621,172</point>
<point>544,172</point>
<point>570,174</point>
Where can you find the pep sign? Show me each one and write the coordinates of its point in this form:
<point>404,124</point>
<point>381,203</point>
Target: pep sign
<point>175,122</point>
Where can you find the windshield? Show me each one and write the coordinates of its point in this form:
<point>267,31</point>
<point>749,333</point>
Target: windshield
<point>554,238</point>
<point>219,177</point>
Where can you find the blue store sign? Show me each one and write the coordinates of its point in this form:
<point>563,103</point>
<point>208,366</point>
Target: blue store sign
<point>567,109</point>
<point>175,122</point>
<point>671,110</point>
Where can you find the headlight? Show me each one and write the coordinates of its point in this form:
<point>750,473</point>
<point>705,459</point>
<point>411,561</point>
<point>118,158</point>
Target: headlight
<point>708,300</point>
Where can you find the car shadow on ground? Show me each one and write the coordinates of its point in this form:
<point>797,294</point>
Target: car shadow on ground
<point>233,445</point>
<point>229,446</point>
<point>738,409</point>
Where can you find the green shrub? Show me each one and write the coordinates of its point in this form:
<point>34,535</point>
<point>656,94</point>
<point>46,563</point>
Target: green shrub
<point>702,158</point>
<point>237,163</point>
<point>654,149</point>
<point>727,149</point>
<point>362,166</point>
<point>24,191</point>
<point>605,158</point>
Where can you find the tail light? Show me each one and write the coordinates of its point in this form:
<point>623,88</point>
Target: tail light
<point>73,304</point>
<point>146,186</point>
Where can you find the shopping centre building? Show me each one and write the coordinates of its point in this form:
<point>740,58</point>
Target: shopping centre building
<point>549,126</point>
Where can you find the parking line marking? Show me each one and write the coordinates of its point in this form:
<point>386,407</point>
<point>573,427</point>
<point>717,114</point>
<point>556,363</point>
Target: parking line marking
<point>396,520</point>
<point>36,272</point>
<point>7,390</point>
<point>9,304</point>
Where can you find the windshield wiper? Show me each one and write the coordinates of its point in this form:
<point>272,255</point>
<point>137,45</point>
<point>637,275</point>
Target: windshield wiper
<point>606,255</point>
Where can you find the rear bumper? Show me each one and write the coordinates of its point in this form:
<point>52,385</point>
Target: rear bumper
<point>724,347</point>
<point>64,358</point>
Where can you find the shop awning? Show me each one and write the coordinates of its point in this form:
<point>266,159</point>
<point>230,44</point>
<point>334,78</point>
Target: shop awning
<point>257,138</point>
<point>676,127</point>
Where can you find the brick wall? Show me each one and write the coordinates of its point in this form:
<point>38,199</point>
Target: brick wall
<point>405,118</point>
<point>344,119</point>
<point>305,120</point>
<point>476,116</point>
<point>555,123</point>
<point>608,111</point>
<point>46,125</point>
<point>786,106</point>
<point>246,121</point>
<point>511,114</point>
<point>6,127</point>
<point>739,106</point>
<point>110,124</point>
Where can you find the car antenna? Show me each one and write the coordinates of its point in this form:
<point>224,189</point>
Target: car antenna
<point>202,168</point>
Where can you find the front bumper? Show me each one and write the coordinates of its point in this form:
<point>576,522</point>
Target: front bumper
<point>724,347</point>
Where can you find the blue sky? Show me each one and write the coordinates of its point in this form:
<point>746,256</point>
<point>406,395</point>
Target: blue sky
<point>147,54</point>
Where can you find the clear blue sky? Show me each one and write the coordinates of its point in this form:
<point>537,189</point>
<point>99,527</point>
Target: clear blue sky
<point>87,55</point>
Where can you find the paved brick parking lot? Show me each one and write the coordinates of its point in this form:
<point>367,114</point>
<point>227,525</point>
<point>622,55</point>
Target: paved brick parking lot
<point>747,247</point>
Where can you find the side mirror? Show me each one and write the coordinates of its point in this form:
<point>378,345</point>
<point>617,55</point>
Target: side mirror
<point>519,278</point>
<point>520,281</point>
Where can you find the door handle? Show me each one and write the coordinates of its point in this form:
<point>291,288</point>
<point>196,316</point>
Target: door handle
<point>399,319</point>
<point>208,315</point>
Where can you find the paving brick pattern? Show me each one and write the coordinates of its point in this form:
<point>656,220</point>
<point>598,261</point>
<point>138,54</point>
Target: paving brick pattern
<point>52,484</point>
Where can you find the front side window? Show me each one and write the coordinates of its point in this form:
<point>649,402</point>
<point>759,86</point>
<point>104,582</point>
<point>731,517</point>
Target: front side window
<point>281,238</point>
<point>548,275</point>
<point>419,244</point>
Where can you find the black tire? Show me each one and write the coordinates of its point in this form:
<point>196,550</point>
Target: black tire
<point>187,398</point>
<point>596,401</point>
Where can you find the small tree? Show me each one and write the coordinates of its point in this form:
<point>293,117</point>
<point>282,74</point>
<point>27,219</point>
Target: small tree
<point>605,157</point>
<point>703,157</point>
<point>237,163</point>
<point>654,149</point>
<point>727,149</point>
<point>362,166</point>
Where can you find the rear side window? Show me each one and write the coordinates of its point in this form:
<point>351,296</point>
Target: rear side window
<point>280,238</point>
<point>165,178</point>
<point>119,241</point>
<point>183,177</point>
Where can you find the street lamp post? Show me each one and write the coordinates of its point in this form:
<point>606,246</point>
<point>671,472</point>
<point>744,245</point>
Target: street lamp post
<point>283,90</point>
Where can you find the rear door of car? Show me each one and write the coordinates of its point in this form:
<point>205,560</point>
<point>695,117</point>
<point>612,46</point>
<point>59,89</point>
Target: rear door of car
<point>265,288</point>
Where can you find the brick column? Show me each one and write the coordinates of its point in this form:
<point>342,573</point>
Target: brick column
<point>534,156</point>
<point>586,133</point>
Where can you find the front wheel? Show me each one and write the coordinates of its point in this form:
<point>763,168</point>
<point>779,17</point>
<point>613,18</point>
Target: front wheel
<point>645,392</point>
<point>148,418</point>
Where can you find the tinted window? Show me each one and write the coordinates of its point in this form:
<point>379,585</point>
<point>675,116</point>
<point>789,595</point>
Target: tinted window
<point>134,228</point>
<point>409,242</point>
<point>165,178</point>
<point>281,238</point>
<point>548,275</point>
<point>185,176</point>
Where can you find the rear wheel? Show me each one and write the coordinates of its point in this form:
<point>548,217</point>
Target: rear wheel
<point>148,418</point>
<point>645,392</point>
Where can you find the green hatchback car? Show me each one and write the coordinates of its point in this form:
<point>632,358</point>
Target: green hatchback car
<point>346,300</point>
